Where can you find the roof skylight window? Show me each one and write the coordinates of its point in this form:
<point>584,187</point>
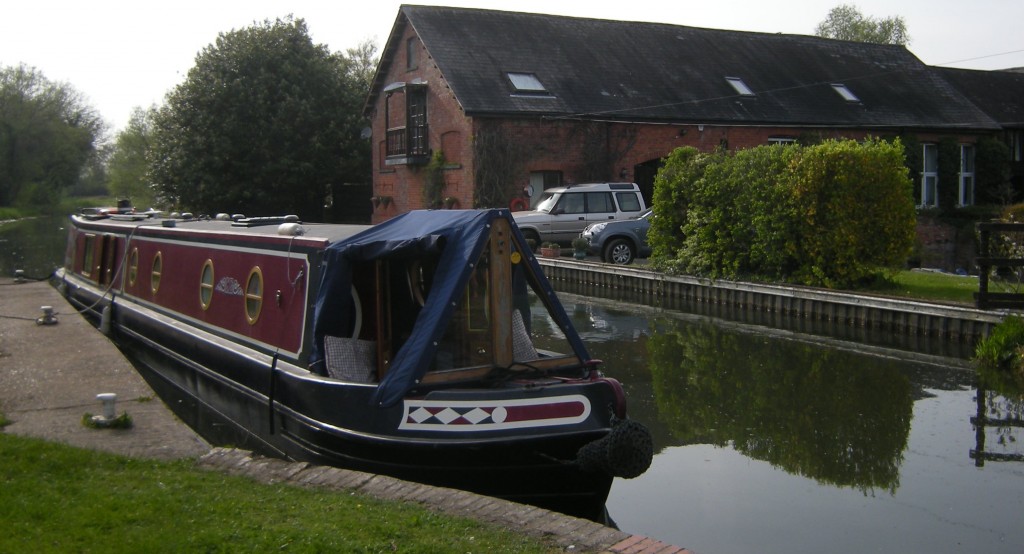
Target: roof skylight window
<point>845,92</point>
<point>740,86</point>
<point>526,82</point>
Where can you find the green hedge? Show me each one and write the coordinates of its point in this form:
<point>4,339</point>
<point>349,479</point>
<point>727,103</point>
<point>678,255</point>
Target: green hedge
<point>832,214</point>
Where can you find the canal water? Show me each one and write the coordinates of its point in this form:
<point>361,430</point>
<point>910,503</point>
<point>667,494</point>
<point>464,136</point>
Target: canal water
<point>778,438</point>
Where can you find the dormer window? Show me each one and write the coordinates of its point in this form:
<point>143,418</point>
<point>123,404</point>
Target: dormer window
<point>739,86</point>
<point>841,90</point>
<point>526,83</point>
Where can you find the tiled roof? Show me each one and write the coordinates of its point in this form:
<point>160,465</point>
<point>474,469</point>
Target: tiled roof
<point>1000,94</point>
<point>632,71</point>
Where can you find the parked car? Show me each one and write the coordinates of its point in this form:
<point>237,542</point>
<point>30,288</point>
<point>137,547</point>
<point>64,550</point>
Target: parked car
<point>620,242</point>
<point>563,212</point>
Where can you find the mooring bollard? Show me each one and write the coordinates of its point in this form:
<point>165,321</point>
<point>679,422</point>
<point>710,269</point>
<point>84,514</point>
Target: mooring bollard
<point>109,409</point>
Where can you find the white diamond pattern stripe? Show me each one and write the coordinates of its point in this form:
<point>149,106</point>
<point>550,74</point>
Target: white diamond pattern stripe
<point>419,415</point>
<point>476,415</point>
<point>447,415</point>
<point>470,416</point>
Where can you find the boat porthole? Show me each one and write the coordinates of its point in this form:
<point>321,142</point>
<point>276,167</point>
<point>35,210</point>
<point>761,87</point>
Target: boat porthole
<point>133,267</point>
<point>206,285</point>
<point>254,295</point>
<point>154,276</point>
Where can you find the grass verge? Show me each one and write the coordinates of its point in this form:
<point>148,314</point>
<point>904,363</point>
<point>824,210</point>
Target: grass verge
<point>927,285</point>
<point>56,498</point>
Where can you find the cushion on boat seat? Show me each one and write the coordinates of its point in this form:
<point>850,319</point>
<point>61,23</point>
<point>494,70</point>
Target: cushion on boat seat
<point>522,346</point>
<point>351,359</point>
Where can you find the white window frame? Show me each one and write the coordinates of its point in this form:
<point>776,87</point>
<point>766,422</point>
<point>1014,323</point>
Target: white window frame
<point>967,172</point>
<point>929,175</point>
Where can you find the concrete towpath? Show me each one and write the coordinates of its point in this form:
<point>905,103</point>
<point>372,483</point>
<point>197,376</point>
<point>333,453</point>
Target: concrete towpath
<point>50,375</point>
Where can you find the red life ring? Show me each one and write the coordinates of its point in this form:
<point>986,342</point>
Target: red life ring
<point>518,205</point>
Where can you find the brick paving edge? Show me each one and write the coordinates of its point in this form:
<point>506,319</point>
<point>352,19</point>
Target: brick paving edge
<point>569,533</point>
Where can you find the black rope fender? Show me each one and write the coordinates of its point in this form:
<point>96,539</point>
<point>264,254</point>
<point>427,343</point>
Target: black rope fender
<point>626,451</point>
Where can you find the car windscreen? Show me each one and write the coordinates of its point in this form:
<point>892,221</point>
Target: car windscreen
<point>547,202</point>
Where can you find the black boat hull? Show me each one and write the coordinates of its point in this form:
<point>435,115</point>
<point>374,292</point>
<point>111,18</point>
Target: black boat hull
<point>276,410</point>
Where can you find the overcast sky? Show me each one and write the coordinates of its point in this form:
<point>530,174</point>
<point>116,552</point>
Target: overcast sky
<point>123,54</point>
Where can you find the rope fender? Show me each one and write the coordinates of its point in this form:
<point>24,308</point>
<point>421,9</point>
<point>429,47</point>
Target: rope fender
<point>624,452</point>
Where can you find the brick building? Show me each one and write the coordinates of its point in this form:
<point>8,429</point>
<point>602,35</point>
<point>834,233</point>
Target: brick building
<point>476,107</point>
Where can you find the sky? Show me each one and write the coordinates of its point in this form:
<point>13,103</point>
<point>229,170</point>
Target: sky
<point>120,55</point>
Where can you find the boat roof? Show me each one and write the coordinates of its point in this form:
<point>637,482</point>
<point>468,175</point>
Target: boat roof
<point>256,226</point>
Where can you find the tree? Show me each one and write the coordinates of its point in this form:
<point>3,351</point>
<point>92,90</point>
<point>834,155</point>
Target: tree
<point>48,136</point>
<point>845,22</point>
<point>263,123</point>
<point>128,168</point>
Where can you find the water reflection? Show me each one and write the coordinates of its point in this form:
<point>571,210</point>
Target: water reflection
<point>823,415</point>
<point>34,245</point>
<point>1000,417</point>
<point>772,440</point>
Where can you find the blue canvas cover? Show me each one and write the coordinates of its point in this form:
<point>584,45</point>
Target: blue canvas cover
<point>460,237</point>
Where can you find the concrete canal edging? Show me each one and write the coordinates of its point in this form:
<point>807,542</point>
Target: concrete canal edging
<point>638,284</point>
<point>569,533</point>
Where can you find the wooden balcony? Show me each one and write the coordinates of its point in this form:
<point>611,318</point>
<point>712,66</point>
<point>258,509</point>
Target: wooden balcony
<point>407,146</point>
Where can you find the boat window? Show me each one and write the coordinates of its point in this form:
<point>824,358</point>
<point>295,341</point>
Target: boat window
<point>254,295</point>
<point>133,266</point>
<point>89,255</point>
<point>206,285</point>
<point>157,270</point>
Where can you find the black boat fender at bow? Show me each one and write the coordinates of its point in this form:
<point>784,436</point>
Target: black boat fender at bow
<point>624,452</point>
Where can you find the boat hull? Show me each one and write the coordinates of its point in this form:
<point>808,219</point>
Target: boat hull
<point>281,410</point>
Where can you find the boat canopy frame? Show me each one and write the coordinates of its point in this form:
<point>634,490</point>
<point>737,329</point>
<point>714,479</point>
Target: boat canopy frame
<point>457,238</point>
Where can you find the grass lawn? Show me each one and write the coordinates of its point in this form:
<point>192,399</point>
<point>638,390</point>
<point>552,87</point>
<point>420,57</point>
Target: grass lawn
<point>56,498</point>
<point>928,285</point>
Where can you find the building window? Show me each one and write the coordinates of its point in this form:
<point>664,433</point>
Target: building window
<point>254,295</point>
<point>407,140</point>
<point>526,83</point>
<point>966,174</point>
<point>1015,140</point>
<point>847,95</point>
<point>156,272</point>
<point>206,285</point>
<point>781,140</point>
<point>739,86</point>
<point>930,176</point>
<point>410,54</point>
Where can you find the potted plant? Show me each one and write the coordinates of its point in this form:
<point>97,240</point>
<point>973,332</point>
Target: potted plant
<point>579,247</point>
<point>550,250</point>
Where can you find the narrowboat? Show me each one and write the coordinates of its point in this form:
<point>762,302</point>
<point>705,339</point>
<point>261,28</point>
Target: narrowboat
<point>407,348</point>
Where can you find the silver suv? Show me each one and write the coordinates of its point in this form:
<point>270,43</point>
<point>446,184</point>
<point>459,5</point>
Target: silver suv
<point>563,212</point>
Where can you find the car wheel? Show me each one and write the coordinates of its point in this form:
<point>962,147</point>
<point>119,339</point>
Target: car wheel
<point>532,235</point>
<point>619,252</point>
